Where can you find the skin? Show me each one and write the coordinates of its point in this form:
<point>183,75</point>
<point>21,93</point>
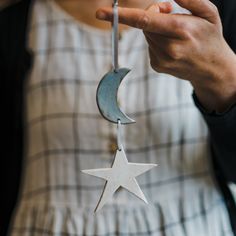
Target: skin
<point>190,47</point>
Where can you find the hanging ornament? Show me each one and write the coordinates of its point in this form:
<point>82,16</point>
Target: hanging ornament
<point>122,173</point>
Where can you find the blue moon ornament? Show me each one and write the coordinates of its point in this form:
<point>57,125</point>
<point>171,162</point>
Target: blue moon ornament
<point>108,87</point>
<point>107,96</point>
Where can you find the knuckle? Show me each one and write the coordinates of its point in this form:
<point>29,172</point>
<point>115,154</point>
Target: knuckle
<point>174,52</point>
<point>187,27</point>
<point>143,21</point>
<point>189,34</point>
<point>184,28</point>
<point>214,9</point>
<point>213,12</point>
<point>178,24</point>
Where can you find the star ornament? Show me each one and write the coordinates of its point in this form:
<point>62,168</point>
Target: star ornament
<point>121,174</point>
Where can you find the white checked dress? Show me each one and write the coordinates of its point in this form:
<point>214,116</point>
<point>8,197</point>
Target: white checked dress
<point>65,133</point>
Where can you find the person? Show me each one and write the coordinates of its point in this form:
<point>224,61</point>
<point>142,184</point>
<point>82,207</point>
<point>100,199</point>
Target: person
<point>53,55</point>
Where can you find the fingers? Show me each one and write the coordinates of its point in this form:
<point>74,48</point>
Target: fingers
<point>202,8</point>
<point>147,20</point>
<point>156,20</point>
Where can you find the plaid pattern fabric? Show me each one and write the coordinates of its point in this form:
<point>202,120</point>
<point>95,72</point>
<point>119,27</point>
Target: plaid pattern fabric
<point>65,133</point>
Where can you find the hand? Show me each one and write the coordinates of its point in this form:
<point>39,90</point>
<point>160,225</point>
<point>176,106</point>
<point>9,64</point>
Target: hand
<point>190,47</point>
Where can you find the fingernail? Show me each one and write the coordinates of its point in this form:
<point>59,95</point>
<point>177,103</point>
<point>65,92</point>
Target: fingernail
<point>101,15</point>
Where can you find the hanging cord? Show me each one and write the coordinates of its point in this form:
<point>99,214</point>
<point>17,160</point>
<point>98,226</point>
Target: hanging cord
<point>115,36</point>
<point>119,143</point>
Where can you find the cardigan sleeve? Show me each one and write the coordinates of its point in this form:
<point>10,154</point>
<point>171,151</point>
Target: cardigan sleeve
<point>14,64</point>
<point>222,128</point>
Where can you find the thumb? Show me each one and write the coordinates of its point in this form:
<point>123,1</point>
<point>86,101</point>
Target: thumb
<point>202,8</point>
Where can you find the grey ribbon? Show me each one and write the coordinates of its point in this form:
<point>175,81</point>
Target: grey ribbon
<point>115,36</point>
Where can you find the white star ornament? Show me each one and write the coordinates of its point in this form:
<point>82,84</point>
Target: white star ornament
<point>121,174</point>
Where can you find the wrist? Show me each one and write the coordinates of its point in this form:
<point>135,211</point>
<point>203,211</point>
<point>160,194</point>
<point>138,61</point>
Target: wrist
<point>218,93</point>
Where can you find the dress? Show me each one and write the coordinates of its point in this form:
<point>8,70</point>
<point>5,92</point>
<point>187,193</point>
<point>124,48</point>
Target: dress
<point>65,134</point>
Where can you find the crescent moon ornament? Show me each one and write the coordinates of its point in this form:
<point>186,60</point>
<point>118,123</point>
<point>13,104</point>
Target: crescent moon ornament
<point>108,87</point>
<point>107,97</point>
<point>122,173</point>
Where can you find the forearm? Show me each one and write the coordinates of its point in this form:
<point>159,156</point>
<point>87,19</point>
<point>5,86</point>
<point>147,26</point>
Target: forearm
<point>219,94</point>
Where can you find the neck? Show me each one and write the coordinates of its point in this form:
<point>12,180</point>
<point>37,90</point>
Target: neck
<point>84,10</point>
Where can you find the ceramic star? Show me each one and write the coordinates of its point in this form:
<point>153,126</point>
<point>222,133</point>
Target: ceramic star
<point>121,174</point>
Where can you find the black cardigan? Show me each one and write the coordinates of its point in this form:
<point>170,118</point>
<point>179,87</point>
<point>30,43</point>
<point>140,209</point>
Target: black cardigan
<point>15,62</point>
